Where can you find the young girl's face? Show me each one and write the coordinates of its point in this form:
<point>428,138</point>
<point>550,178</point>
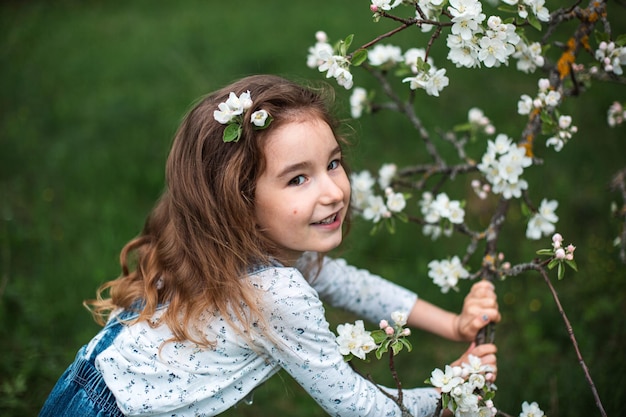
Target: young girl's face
<point>302,196</point>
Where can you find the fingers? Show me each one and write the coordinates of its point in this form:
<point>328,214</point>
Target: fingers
<point>481,302</point>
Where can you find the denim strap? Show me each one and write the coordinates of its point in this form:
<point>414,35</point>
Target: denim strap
<point>85,374</point>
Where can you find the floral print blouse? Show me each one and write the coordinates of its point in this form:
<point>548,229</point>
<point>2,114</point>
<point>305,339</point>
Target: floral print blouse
<point>181,379</point>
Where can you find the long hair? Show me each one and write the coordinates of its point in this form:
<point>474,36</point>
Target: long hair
<point>201,237</point>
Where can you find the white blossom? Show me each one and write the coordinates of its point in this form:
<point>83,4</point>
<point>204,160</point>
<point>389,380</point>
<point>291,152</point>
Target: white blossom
<point>543,222</point>
<point>446,381</point>
<point>354,339</point>
<point>386,174</point>
<point>396,202</point>
<point>529,57</point>
<point>446,273</point>
<point>531,410</point>
<point>382,54</point>
<point>358,100</point>
<point>375,208</point>
<point>503,164</point>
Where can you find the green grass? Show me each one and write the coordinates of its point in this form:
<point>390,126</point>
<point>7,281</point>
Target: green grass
<point>92,93</point>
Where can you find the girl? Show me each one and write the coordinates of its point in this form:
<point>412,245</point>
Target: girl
<point>223,286</point>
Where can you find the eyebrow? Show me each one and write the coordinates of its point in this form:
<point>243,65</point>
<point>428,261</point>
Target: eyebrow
<point>299,166</point>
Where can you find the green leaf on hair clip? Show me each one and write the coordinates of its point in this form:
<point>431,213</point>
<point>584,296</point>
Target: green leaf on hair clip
<point>232,133</point>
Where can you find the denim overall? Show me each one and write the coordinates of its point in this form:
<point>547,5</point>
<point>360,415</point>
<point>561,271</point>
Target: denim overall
<point>81,391</point>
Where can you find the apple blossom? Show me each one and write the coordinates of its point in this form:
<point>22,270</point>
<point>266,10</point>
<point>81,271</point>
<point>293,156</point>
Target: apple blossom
<point>354,339</point>
<point>531,410</point>
<point>542,222</point>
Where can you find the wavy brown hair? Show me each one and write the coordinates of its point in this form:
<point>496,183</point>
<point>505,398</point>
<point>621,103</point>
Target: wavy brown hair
<point>201,237</point>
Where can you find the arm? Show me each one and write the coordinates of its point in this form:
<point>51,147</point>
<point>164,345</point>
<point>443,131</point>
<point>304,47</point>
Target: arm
<point>304,346</point>
<point>374,298</point>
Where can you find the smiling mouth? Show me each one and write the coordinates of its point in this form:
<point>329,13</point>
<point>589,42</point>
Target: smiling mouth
<point>328,220</point>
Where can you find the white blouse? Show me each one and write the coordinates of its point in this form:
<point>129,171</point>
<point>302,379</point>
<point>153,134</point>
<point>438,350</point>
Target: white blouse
<point>184,380</point>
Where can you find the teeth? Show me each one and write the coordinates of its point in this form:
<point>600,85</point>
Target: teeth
<point>328,220</point>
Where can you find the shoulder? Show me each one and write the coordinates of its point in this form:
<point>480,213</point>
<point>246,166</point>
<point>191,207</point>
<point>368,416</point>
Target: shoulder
<point>275,278</point>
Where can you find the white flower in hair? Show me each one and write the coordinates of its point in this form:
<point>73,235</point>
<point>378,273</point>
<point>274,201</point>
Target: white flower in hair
<point>231,111</point>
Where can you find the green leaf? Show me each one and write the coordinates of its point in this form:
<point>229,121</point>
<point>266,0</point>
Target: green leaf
<point>553,263</point>
<point>525,210</point>
<point>548,252</point>
<point>359,56</point>
<point>572,264</point>
<point>602,37</point>
<point>621,40</point>
<point>344,45</point>
<point>407,344</point>
<point>465,127</point>
<point>560,271</point>
<point>379,336</point>
<point>534,22</point>
<point>391,225</point>
<point>489,395</point>
<point>232,133</point>
<point>508,9</point>
<point>402,216</point>
<point>348,40</point>
<point>396,347</point>
<point>382,349</point>
<point>445,399</point>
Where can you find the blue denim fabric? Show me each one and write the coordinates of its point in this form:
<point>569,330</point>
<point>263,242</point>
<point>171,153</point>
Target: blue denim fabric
<point>81,391</point>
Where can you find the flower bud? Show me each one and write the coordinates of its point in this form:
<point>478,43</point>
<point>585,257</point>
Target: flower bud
<point>383,324</point>
<point>559,253</point>
<point>389,331</point>
<point>320,36</point>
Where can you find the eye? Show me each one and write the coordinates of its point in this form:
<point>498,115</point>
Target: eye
<point>334,164</point>
<point>298,180</point>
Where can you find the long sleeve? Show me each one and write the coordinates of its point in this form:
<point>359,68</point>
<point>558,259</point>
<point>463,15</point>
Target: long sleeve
<point>305,347</point>
<point>357,290</point>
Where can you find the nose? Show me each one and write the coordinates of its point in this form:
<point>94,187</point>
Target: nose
<point>331,190</point>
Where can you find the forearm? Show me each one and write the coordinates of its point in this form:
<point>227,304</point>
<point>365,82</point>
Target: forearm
<point>433,319</point>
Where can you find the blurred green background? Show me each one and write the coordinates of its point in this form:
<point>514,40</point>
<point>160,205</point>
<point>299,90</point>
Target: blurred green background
<point>91,95</point>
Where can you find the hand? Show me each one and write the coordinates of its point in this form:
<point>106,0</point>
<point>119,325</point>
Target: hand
<point>487,354</point>
<point>479,309</point>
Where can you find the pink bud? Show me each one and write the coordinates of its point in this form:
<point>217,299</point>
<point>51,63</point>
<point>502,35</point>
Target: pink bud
<point>383,324</point>
<point>569,256</point>
<point>374,8</point>
<point>559,253</point>
<point>389,330</point>
<point>557,237</point>
<point>406,332</point>
<point>571,248</point>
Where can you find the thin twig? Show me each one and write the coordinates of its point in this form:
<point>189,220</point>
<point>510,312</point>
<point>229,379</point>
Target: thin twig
<point>540,267</point>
